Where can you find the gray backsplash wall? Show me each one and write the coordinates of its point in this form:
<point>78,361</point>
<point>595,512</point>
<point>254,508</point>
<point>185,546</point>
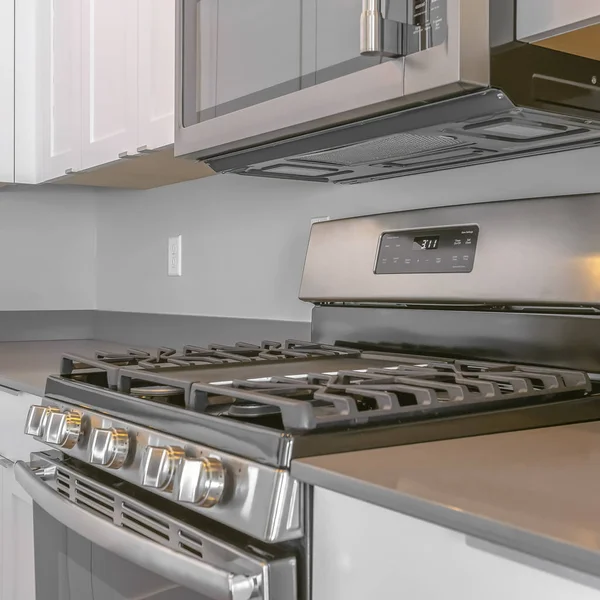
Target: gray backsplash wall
<point>244,239</point>
<point>47,248</point>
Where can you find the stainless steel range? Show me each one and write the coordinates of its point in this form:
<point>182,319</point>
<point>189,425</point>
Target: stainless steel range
<point>173,467</point>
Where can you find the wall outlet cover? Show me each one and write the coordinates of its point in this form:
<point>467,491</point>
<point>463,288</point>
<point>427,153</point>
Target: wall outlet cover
<point>174,268</point>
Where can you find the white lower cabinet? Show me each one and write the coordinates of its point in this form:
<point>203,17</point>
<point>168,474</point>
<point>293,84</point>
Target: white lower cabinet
<point>362,551</point>
<point>17,564</point>
<point>16,538</point>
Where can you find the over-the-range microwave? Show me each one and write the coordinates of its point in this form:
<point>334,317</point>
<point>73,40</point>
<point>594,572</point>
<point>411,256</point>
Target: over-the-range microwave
<point>349,91</point>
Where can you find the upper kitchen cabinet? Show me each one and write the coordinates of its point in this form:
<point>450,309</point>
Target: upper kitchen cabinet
<point>540,19</point>
<point>7,99</point>
<point>156,73</point>
<point>109,37</point>
<point>94,89</point>
<point>48,89</point>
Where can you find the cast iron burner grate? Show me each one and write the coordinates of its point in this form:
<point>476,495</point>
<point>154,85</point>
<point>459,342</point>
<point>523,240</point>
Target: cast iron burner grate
<point>104,369</point>
<point>410,388</point>
<point>268,350</point>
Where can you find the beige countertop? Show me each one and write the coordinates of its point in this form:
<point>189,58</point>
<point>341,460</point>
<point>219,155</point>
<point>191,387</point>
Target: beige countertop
<point>537,491</point>
<point>24,366</point>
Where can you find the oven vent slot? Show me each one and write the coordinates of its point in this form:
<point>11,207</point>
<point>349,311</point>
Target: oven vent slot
<point>190,544</point>
<point>85,494</point>
<point>144,523</point>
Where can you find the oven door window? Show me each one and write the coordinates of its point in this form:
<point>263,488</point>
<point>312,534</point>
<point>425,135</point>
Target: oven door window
<point>70,567</point>
<point>99,538</point>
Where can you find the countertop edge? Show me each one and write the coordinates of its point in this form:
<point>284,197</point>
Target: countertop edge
<point>18,386</point>
<point>578,561</point>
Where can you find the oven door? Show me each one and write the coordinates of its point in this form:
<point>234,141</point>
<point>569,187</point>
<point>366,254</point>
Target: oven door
<point>98,539</point>
<point>249,73</point>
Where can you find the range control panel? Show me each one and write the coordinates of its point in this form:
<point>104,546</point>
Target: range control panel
<point>439,250</point>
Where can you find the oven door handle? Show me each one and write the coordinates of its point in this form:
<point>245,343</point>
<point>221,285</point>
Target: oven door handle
<point>210,581</point>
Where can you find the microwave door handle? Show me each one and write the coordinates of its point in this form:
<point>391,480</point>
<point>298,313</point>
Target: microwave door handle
<point>209,581</point>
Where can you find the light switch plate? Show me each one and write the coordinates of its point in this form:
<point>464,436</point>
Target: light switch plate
<point>174,268</point>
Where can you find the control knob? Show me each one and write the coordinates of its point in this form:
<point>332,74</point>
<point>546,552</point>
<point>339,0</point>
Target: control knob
<point>109,447</point>
<point>200,481</point>
<point>62,428</point>
<point>159,465</point>
<point>37,418</point>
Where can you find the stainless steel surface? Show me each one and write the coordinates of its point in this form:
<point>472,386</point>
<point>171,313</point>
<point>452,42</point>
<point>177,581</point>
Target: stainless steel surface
<point>109,447</point>
<point>154,540</point>
<point>439,72</point>
<point>37,417</point>
<point>378,35</point>
<point>440,90</point>
<point>529,252</point>
<point>262,501</point>
<point>201,481</point>
<point>62,429</point>
<point>535,337</point>
<point>159,465</point>
<point>464,59</point>
<point>422,26</point>
<point>271,447</point>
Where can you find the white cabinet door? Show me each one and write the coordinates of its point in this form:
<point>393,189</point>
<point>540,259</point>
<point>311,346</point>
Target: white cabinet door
<point>539,19</point>
<point>59,77</point>
<point>364,551</point>
<point>7,84</point>
<point>156,69</point>
<point>109,80</point>
<point>47,89</point>
<point>18,560</point>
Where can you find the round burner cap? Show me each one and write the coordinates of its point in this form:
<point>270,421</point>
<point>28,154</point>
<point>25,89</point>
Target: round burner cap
<point>155,390</point>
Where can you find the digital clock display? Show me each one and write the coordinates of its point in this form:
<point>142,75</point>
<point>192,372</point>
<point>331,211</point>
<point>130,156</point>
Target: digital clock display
<point>407,251</point>
<point>430,242</point>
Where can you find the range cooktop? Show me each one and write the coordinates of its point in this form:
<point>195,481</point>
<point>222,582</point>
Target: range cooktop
<point>275,401</point>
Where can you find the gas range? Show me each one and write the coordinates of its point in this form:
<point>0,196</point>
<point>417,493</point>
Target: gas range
<point>213,431</point>
<point>274,402</point>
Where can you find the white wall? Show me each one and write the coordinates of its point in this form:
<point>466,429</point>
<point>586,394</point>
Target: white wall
<point>47,248</point>
<point>244,239</point>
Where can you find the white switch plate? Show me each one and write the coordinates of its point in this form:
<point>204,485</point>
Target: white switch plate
<point>174,268</point>
<point>318,220</point>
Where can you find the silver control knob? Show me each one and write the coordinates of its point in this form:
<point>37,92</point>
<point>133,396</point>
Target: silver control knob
<point>62,428</point>
<point>201,481</point>
<point>109,447</point>
<point>159,465</point>
<point>37,418</point>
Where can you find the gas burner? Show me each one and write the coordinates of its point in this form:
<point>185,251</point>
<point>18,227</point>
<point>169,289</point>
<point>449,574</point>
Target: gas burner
<point>130,357</point>
<point>104,369</point>
<point>268,350</point>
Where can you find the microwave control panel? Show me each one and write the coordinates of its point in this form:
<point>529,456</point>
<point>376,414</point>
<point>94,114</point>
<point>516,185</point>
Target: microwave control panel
<point>437,250</point>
